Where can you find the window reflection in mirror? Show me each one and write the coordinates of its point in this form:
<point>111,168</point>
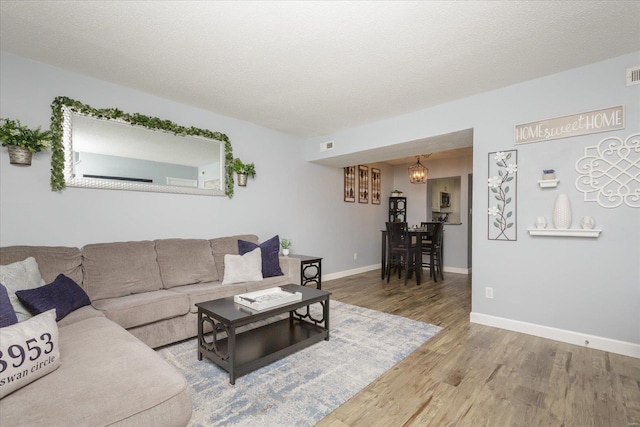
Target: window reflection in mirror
<point>443,199</point>
<point>110,150</point>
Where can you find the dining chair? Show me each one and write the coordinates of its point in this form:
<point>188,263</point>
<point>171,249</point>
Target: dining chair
<point>429,226</point>
<point>403,253</point>
<point>432,249</point>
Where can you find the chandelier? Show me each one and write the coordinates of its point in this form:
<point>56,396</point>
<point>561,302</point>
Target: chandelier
<point>418,173</point>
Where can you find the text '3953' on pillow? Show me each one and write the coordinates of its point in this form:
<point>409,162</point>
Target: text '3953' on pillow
<point>29,351</point>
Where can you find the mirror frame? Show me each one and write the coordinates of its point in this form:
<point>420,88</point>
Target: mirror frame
<point>61,151</point>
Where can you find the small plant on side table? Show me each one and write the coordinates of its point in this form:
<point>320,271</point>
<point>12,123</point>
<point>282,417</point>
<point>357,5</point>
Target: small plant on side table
<point>286,244</point>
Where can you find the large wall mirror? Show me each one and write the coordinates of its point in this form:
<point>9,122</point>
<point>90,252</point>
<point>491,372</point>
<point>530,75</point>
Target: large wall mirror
<point>110,149</point>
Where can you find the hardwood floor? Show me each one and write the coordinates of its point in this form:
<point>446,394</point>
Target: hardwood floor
<point>474,375</point>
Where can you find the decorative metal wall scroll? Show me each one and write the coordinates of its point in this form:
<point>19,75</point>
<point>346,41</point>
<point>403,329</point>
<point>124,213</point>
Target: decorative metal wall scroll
<point>350,184</point>
<point>610,172</point>
<point>363,184</point>
<point>376,185</point>
<point>502,211</point>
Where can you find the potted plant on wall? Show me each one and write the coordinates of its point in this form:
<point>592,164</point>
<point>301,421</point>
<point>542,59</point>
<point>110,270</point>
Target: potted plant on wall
<point>286,245</point>
<point>244,170</point>
<point>22,141</point>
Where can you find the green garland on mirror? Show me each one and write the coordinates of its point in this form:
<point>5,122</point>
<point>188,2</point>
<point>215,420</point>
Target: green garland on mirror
<point>154,123</point>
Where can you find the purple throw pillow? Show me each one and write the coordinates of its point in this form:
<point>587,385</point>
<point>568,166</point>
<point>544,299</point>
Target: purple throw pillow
<point>270,258</point>
<point>63,294</point>
<point>7,313</point>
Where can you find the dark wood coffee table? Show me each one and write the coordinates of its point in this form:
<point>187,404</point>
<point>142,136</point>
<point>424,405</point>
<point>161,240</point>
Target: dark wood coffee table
<point>240,353</point>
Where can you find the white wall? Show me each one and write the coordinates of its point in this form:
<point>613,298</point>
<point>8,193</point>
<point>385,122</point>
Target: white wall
<point>289,196</point>
<point>586,286</point>
<point>590,286</point>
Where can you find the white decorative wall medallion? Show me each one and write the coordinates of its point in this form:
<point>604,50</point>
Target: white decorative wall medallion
<point>610,172</point>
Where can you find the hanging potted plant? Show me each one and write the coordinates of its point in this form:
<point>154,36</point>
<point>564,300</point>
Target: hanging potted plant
<point>244,170</point>
<point>22,142</point>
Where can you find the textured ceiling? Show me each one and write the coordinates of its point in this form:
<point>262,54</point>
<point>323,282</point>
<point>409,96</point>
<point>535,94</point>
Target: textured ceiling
<point>313,68</point>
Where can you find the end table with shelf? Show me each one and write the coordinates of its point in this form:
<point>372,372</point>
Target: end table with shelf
<point>310,270</point>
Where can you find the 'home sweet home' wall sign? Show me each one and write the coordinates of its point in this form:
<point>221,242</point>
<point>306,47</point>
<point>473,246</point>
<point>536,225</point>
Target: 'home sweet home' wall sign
<point>603,120</point>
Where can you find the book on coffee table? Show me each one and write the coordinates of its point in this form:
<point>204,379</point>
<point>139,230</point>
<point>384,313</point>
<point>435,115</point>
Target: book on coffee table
<point>267,298</point>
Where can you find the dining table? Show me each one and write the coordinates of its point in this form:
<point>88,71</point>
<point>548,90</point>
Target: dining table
<point>417,235</point>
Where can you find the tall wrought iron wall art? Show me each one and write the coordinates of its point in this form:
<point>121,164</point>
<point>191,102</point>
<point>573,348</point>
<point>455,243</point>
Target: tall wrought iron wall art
<point>502,212</point>
<point>363,184</point>
<point>376,186</point>
<point>350,184</point>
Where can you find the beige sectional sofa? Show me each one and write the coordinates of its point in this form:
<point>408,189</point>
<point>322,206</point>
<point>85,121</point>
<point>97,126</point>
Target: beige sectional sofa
<point>141,292</point>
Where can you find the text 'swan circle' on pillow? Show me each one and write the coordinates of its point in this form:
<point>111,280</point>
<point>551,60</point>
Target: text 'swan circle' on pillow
<point>28,351</point>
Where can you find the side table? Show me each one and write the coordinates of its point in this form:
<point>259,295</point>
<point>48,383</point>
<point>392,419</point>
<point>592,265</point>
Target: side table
<point>310,270</point>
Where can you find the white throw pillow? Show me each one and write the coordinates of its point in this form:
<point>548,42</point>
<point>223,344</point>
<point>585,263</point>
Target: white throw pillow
<point>17,277</point>
<point>243,268</point>
<point>28,351</point>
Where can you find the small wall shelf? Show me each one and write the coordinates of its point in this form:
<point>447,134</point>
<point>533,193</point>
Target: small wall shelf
<point>572,232</point>
<point>548,183</point>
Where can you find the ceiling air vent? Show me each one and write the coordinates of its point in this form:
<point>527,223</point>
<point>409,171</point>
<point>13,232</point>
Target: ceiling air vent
<point>326,146</point>
<point>633,76</point>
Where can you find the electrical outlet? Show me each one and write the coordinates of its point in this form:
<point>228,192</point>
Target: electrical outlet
<point>488,292</point>
<point>355,255</point>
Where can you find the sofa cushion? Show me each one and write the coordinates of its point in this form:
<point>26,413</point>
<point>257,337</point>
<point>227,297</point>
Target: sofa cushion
<point>185,261</point>
<point>119,269</point>
<point>80,314</point>
<point>243,268</point>
<point>270,255</point>
<point>18,276</point>
<point>52,260</point>
<point>140,309</point>
<point>63,294</point>
<point>7,313</point>
<point>107,377</point>
<point>227,245</point>
<point>29,351</point>
<point>202,292</point>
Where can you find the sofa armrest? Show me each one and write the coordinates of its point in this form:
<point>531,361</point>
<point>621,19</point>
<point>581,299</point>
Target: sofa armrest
<point>291,268</point>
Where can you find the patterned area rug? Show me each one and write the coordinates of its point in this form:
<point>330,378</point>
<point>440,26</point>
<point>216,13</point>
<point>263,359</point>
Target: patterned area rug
<point>302,388</point>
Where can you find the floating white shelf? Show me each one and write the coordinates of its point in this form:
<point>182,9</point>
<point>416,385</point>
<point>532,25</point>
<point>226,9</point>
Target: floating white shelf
<point>548,183</point>
<point>572,232</point>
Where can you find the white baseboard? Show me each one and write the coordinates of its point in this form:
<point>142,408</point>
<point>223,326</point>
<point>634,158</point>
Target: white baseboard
<point>345,273</point>
<point>456,270</point>
<point>570,337</point>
